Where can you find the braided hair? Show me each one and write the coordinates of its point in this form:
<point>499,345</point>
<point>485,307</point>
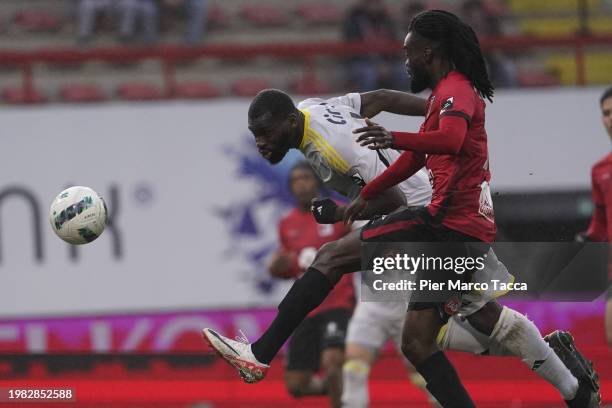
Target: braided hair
<point>459,43</point>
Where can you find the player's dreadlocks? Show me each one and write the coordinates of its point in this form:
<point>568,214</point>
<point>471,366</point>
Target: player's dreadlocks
<point>459,43</point>
<point>274,101</point>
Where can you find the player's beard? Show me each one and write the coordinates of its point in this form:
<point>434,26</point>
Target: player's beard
<point>419,80</point>
<point>277,157</point>
<point>279,153</point>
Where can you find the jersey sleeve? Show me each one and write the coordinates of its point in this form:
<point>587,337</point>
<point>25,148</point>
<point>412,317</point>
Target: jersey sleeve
<point>352,100</point>
<point>458,100</point>
<point>598,228</point>
<point>448,139</point>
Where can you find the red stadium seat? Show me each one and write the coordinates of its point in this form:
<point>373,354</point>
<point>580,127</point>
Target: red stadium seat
<point>264,15</point>
<point>197,90</point>
<point>139,91</point>
<point>81,93</point>
<point>322,13</point>
<point>217,17</point>
<point>37,20</point>
<point>249,87</point>
<point>16,95</point>
<point>310,86</point>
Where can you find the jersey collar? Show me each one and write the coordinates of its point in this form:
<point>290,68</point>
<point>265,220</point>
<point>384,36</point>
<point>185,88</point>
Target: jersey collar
<point>306,129</point>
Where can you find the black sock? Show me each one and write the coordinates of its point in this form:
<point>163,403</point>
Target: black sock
<point>304,296</point>
<point>443,382</point>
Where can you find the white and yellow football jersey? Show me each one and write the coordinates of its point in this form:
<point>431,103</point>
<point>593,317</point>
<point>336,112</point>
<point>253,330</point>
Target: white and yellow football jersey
<point>345,166</point>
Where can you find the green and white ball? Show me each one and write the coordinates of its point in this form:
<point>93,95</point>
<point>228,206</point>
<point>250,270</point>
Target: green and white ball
<point>78,215</point>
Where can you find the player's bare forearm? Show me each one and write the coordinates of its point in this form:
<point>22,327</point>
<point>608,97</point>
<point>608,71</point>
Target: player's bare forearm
<point>387,100</point>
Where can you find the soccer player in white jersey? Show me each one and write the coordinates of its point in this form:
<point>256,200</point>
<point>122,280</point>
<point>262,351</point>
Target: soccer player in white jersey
<point>372,323</point>
<point>322,130</point>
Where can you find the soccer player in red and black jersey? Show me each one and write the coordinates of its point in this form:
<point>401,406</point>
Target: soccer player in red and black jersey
<point>600,228</point>
<point>443,54</point>
<point>318,342</point>
<point>441,44</point>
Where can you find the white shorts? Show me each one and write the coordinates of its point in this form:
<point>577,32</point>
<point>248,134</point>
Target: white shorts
<point>475,300</point>
<point>373,323</point>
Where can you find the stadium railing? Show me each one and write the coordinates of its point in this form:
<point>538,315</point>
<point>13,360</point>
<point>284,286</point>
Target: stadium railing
<point>169,56</point>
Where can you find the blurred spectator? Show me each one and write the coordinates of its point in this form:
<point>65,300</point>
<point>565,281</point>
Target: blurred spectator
<point>195,11</point>
<point>502,69</point>
<point>133,12</point>
<point>87,12</point>
<point>369,21</point>
<point>129,13</point>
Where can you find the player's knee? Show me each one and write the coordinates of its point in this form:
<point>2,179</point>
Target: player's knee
<point>356,370</point>
<point>485,319</point>
<point>327,258</point>
<point>358,352</point>
<point>332,362</point>
<point>414,350</point>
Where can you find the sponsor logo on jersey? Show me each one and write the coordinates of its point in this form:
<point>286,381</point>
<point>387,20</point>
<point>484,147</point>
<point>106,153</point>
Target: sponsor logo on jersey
<point>451,306</point>
<point>358,180</point>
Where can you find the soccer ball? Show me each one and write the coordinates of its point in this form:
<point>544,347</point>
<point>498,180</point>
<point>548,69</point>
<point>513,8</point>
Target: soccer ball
<point>78,215</point>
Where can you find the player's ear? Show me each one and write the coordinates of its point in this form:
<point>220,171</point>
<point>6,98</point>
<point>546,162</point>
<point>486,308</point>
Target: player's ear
<point>293,120</point>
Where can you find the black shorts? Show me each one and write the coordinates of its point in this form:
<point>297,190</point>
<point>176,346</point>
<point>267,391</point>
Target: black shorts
<point>415,224</point>
<point>315,334</point>
<point>609,292</point>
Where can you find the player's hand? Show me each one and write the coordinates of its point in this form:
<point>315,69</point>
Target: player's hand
<point>324,210</point>
<point>354,209</point>
<point>374,136</point>
<point>280,265</point>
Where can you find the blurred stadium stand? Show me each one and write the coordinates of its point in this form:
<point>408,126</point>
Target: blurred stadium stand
<point>551,43</point>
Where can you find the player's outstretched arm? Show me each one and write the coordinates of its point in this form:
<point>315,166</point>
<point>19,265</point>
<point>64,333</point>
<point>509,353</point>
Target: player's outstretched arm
<point>387,100</point>
<point>448,139</point>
